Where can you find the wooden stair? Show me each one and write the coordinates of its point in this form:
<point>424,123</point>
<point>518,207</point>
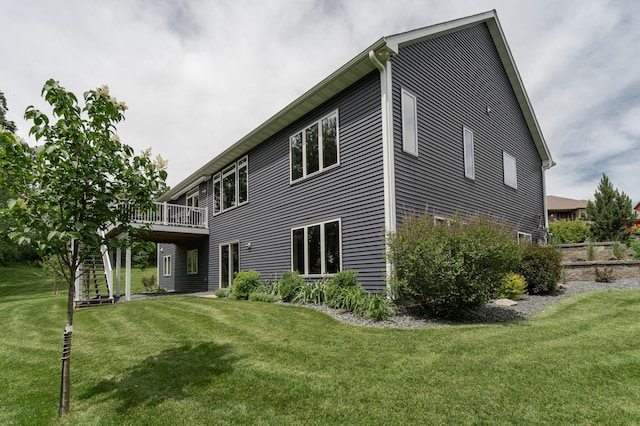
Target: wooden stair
<point>93,279</point>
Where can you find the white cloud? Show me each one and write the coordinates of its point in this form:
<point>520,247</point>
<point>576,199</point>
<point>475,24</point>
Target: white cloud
<point>199,75</point>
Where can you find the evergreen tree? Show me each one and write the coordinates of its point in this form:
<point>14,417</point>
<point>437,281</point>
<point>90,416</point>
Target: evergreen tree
<point>609,212</point>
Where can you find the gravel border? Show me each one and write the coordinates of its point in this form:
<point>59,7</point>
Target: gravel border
<point>490,313</point>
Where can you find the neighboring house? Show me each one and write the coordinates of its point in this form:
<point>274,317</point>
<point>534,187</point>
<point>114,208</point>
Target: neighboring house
<point>560,208</point>
<point>435,119</point>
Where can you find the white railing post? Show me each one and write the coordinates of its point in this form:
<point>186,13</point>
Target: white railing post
<point>206,217</point>
<point>165,213</point>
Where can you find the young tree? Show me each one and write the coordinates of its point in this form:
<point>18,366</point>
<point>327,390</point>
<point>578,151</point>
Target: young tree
<point>71,186</point>
<point>609,212</point>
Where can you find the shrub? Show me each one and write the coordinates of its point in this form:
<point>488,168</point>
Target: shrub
<point>635,246</point>
<point>605,275</point>
<point>222,293</point>
<point>448,269</point>
<point>513,287</point>
<point>349,298</point>
<point>619,250</point>
<point>289,285</point>
<point>245,283</point>
<point>591,251</point>
<point>311,293</point>
<point>263,297</point>
<point>149,283</point>
<point>267,287</point>
<point>375,306</point>
<point>569,231</point>
<point>340,281</point>
<point>541,269</point>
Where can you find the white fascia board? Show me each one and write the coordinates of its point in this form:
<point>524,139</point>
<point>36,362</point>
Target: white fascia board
<point>394,42</point>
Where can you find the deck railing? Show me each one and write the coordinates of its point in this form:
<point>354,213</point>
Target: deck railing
<point>172,215</point>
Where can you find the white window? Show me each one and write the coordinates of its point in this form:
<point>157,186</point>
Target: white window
<point>469,163</point>
<point>166,266</point>
<point>314,148</point>
<point>192,262</point>
<point>439,220</point>
<point>523,237</point>
<point>409,122</point>
<point>217,206</point>
<point>229,263</point>
<point>231,186</point>
<point>510,170</point>
<point>193,197</point>
<point>316,249</point>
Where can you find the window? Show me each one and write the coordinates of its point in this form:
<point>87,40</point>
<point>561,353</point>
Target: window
<point>409,123</point>
<point>231,186</point>
<point>193,197</point>
<point>166,266</point>
<point>510,170</point>
<point>229,263</point>
<point>217,207</point>
<point>469,164</point>
<point>316,249</point>
<point>314,148</point>
<point>439,220</point>
<point>524,238</point>
<point>192,262</point>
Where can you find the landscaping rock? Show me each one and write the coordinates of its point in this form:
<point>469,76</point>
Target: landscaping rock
<point>505,302</point>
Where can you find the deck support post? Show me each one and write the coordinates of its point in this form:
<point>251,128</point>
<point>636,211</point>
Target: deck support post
<point>118,270</point>
<point>127,291</point>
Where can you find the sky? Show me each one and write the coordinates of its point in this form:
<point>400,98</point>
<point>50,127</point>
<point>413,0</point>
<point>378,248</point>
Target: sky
<point>199,75</point>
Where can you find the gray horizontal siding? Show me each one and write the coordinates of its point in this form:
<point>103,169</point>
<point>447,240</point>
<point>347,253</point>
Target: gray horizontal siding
<point>352,192</point>
<point>456,77</point>
<point>179,280</point>
<point>168,282</point>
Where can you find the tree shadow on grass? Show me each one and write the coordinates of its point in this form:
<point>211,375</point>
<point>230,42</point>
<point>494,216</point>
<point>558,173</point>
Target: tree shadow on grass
<point>172,374</point>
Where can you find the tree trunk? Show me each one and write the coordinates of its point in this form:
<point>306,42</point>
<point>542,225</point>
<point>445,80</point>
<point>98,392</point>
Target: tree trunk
<point>65,380</point>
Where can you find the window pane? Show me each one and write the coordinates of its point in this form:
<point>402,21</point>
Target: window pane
<point>242,184</point>
<point>329,141</point>
<point>192,198</point>
<point>296,156</point>
<point>167,266</point>
<point>192,261</point>
<point>510,170</point>
<point>313,157</point>
<point>314,253</point>
<point>409,121</point>
<point>216,195</point>
<point>332,247</point>
<point>224,266</point>
<point>298,250</point>
<point>236,260</point>
<point>469,166</point>
<point>228,191</point>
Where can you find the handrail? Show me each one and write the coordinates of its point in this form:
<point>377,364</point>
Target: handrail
<point>108,269</point>
<point>171,214</point>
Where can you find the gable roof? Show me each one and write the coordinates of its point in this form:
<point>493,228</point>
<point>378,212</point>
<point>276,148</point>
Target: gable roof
<point>561,203</point>
<point>353,71</point>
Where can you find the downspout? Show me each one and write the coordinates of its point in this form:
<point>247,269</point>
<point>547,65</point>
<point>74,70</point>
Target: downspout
<point>386,110</point>
<point>546,165</point>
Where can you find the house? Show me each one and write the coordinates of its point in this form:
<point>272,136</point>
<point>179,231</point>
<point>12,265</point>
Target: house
<point>434,119</point>
<point>560,208</point>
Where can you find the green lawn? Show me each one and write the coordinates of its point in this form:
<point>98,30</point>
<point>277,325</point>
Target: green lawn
<point>184,360</point>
